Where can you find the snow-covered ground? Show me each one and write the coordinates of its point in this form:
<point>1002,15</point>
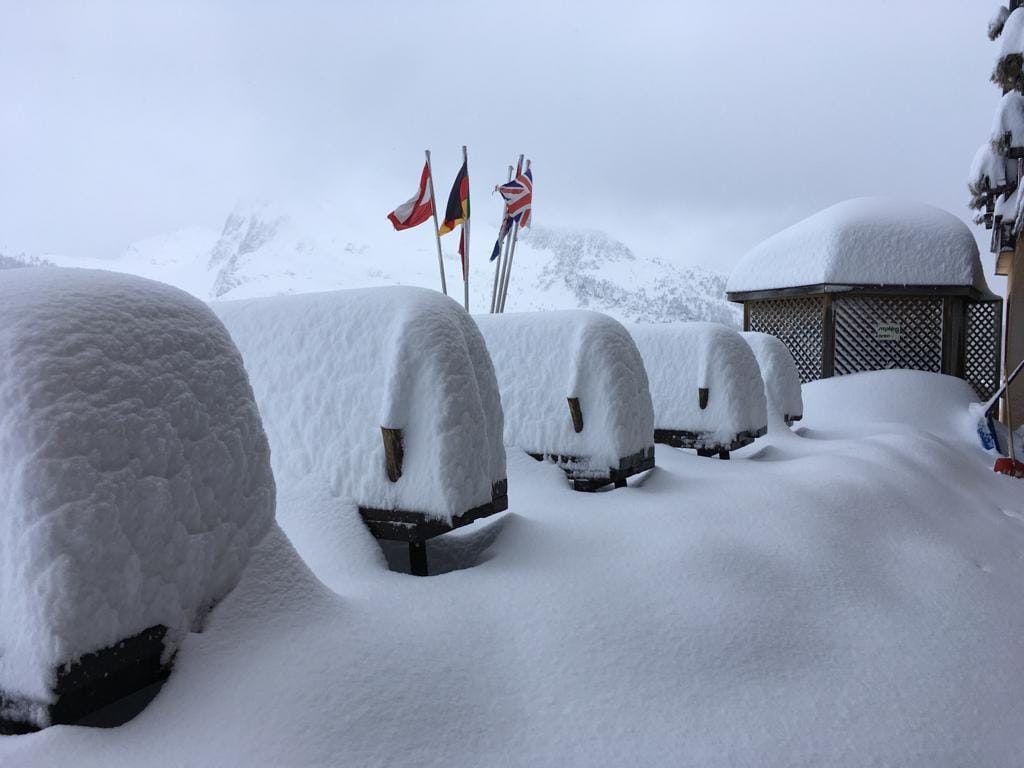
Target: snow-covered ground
<point>845,594</point>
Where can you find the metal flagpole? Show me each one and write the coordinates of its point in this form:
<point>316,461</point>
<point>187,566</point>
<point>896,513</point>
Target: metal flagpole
<point>501,248</point>
<point>508,247</point>
<point>511,255</point>
<point>465,242</point>
<point>437,235</point>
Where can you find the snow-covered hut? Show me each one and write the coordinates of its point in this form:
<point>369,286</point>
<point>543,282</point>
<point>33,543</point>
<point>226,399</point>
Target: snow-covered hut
<point>135,480</point>
<point>872,283</point>
<point>780,374</point>
<point>575,391</point>
<point>384,396</point>
<point>706,386</point>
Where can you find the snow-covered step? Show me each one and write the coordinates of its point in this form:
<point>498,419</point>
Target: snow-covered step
<point>780,374</point>
<point>386,397</point>
<point>135,480</point>
<point>706,386</point>
<point>575,391</point>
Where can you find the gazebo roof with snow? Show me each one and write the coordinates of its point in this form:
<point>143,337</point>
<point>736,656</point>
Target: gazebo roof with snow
<point>874,242</point>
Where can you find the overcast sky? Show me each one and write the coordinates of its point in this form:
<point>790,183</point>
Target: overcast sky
<point>695,129</point>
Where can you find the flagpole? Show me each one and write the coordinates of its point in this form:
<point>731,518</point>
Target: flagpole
<point>500,304</point>
<point>437,235</point>
<point>465,231</point>
<point>501,248</point>
<point>508,273</point>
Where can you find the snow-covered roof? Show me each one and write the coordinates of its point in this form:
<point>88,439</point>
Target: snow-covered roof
<point>544,358</point>
<point>683,358</point>
<point>134,471</point>
<point>331,369</point>
<point>865,241</point>
<point>780,374</point>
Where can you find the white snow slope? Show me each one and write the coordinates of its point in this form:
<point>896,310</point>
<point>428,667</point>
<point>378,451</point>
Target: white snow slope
<point>266,250</point>
<point>134,471</point>
<point>848,594</point>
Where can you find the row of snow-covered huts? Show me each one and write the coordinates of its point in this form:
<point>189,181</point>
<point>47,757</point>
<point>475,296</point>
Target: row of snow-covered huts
<point>145,437</point>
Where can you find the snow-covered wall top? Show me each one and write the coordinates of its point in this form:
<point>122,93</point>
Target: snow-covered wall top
<point>134,472</point>
<point>866,241</point>
<point>780,374</point>
<point>544,358</point>
<point>330,369</point>
<point>681,359</point>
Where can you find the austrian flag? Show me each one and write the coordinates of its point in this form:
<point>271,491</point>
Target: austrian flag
<point>418,208</point>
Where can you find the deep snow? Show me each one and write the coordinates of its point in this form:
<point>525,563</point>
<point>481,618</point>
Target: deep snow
<point>870,241</point>
<point>331,369</point>
<point>847,594</point>
<point>134,471</point>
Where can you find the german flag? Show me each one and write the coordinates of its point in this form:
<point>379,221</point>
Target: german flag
<point>457,211</point>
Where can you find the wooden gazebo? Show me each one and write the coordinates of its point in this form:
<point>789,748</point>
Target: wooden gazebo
<point>871,284</point>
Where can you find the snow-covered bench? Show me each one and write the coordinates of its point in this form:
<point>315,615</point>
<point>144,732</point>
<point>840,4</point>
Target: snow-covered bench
<point>384,396</point>
<point>134,480</point>
<point>575,392</point>
<point>780,374</point>
<point>706,386</point>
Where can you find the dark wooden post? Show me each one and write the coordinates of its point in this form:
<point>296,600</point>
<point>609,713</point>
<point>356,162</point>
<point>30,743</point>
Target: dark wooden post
<point>576,413</point>
<point>702,397</point>
<point>828,337</point>
<point>418,557</point>
<point>394,452</point>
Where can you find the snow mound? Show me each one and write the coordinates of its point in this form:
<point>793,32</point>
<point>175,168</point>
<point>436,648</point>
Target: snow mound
<point>991,171</point>
<point>866,241</point>
<point>330,370</point>
<point>780,374</point>
<point>135,472</point>
<point>1012,33</point>
<point>1008,123</point>
<point>544,358</point>
<point>683,358</point>
<point>931,402</point>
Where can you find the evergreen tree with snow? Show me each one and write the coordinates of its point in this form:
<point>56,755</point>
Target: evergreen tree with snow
<point>995,177</point>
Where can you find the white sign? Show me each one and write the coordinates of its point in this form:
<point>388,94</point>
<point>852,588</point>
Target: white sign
<point>887,331</point>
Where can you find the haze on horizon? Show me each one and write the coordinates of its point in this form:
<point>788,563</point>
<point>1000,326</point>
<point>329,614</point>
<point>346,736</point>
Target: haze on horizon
<point>691,129</point>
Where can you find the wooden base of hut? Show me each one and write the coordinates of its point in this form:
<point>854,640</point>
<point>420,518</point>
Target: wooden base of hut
<point>94,681</point>
<point>790,420</point>
<point>416,527</point>
<point>583,478</point>
<point>704,444</point>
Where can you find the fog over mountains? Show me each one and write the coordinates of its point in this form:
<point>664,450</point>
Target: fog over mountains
<point>262,250</point>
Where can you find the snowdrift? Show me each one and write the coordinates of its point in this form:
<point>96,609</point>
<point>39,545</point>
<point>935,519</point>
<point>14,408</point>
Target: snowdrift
<point>385,396</point>
<point>136,478</point>
<point>574,390</point>
<point>780,374</point>
<point>866,241</point>
<point>706,386</point>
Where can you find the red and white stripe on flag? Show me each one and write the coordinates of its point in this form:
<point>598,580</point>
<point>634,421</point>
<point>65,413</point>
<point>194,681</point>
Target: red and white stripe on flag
<point>416,209</point>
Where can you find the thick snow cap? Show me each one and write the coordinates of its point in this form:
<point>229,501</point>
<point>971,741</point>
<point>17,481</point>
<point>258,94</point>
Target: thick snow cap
<point>331,369</point>
<point>866,241</point>
<point>134,472</point>
<point>780,374</point>
<point>544,358</point>
<point>683,358</point>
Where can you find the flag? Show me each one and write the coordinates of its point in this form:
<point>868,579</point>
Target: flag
<point>518,194</point>
<point>416,209</point>
<point>457,211</point>
<point>506,225</point>
<point>462,252</point>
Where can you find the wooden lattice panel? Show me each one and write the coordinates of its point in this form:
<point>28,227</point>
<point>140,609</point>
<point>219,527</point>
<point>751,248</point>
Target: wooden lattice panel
<point>799,323</point>
<point>878,332</point>
<point>981,346</point>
